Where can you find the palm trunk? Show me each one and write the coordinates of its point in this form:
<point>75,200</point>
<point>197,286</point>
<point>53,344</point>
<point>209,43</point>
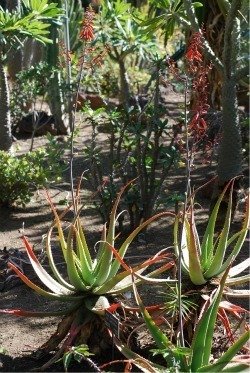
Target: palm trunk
<point>5,127</point>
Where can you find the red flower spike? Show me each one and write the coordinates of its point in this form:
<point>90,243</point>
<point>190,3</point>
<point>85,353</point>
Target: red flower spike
<point>199,71</point>
<point>87,30</point>
<point>193,55</point>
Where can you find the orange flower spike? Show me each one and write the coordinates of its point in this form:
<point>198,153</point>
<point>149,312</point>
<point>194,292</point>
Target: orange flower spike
<point>87,29</point>
<point>193,55</point>
<point>195,45</point>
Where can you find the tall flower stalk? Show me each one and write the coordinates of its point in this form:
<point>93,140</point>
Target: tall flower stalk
<point>198,71</point>
<point>86,34</point>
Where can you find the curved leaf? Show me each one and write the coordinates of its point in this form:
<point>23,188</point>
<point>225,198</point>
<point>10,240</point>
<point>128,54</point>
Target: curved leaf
<point>43,275</point>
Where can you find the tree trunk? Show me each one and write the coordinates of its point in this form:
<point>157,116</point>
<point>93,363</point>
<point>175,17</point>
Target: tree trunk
<point>54,91</point>
<point>5,127</point>
<point>33,53</point>
<point>214,24</point>
<point>230,151</point>
<point>124,84</point>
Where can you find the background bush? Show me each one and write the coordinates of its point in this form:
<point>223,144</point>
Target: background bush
<point>21,176</point>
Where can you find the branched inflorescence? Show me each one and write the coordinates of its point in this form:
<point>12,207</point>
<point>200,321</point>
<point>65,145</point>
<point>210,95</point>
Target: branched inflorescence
<point>87,28</point>
<point>199,72</point>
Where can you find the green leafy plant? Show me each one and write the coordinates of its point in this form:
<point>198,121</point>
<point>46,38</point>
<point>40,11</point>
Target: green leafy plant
<point>21,176</point>
<point>28,86</point>
<point>92,282</point>
<point>188,304</point>
<point>78,353</point>
<point>15,26</point>
<point>195,358</point>
<point>206,259</point>
<point>118,27</point>
<point>138,147</point>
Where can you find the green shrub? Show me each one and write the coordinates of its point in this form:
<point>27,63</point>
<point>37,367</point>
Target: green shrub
<point>21,175</point>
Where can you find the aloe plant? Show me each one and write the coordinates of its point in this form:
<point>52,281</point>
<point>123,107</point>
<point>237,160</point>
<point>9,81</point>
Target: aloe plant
<point>92,282</point>
<point>207,259</point>
<point>196,358</point>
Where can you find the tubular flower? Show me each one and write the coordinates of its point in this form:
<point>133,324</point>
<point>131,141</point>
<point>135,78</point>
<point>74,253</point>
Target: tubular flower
<point>199,72</point>
<point>87,29</point>
<point>193,51</point>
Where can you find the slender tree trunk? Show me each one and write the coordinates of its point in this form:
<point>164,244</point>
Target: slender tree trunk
<point>54,90</point>
<point>124,84</point>
<point>33,53</point>
<point>5,127</point>
<point>230,155</point>
<point>230,151</point>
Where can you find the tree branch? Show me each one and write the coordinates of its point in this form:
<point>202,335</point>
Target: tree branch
<point>208,52</point>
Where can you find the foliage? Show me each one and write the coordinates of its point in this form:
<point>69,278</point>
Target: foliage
<point>92,280</point>
<point>173,308</point>
<point>196,358</point>
<point>21,176</point>
<point>28,23</point>
<point>119,30</point>
<point>29,84</point>
<point>207,259</point>
<point>78,353</point>
<point>138,147</point>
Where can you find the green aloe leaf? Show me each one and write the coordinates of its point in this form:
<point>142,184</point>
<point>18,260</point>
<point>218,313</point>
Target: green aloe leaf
<point>73,274</point>
<point>113,284</point>
<point>195,269</point>
<point>121,288</point>
<point>175,355</point>
<point>41,291</point>
<point>124,247</point>
<point>203,336</point>
<point>227,357</point>
<point>86,271</point>
<point>241,239</point>
<point>85,246</point>
<point>43,275</point>
<point>160,338</point>
<point>52,264</point>
<point>105,257</point>
<point>216,264</point>
<point>207,246</point>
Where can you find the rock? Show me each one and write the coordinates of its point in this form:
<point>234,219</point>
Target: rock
<point>93,100</point>
<point>38,120</point>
